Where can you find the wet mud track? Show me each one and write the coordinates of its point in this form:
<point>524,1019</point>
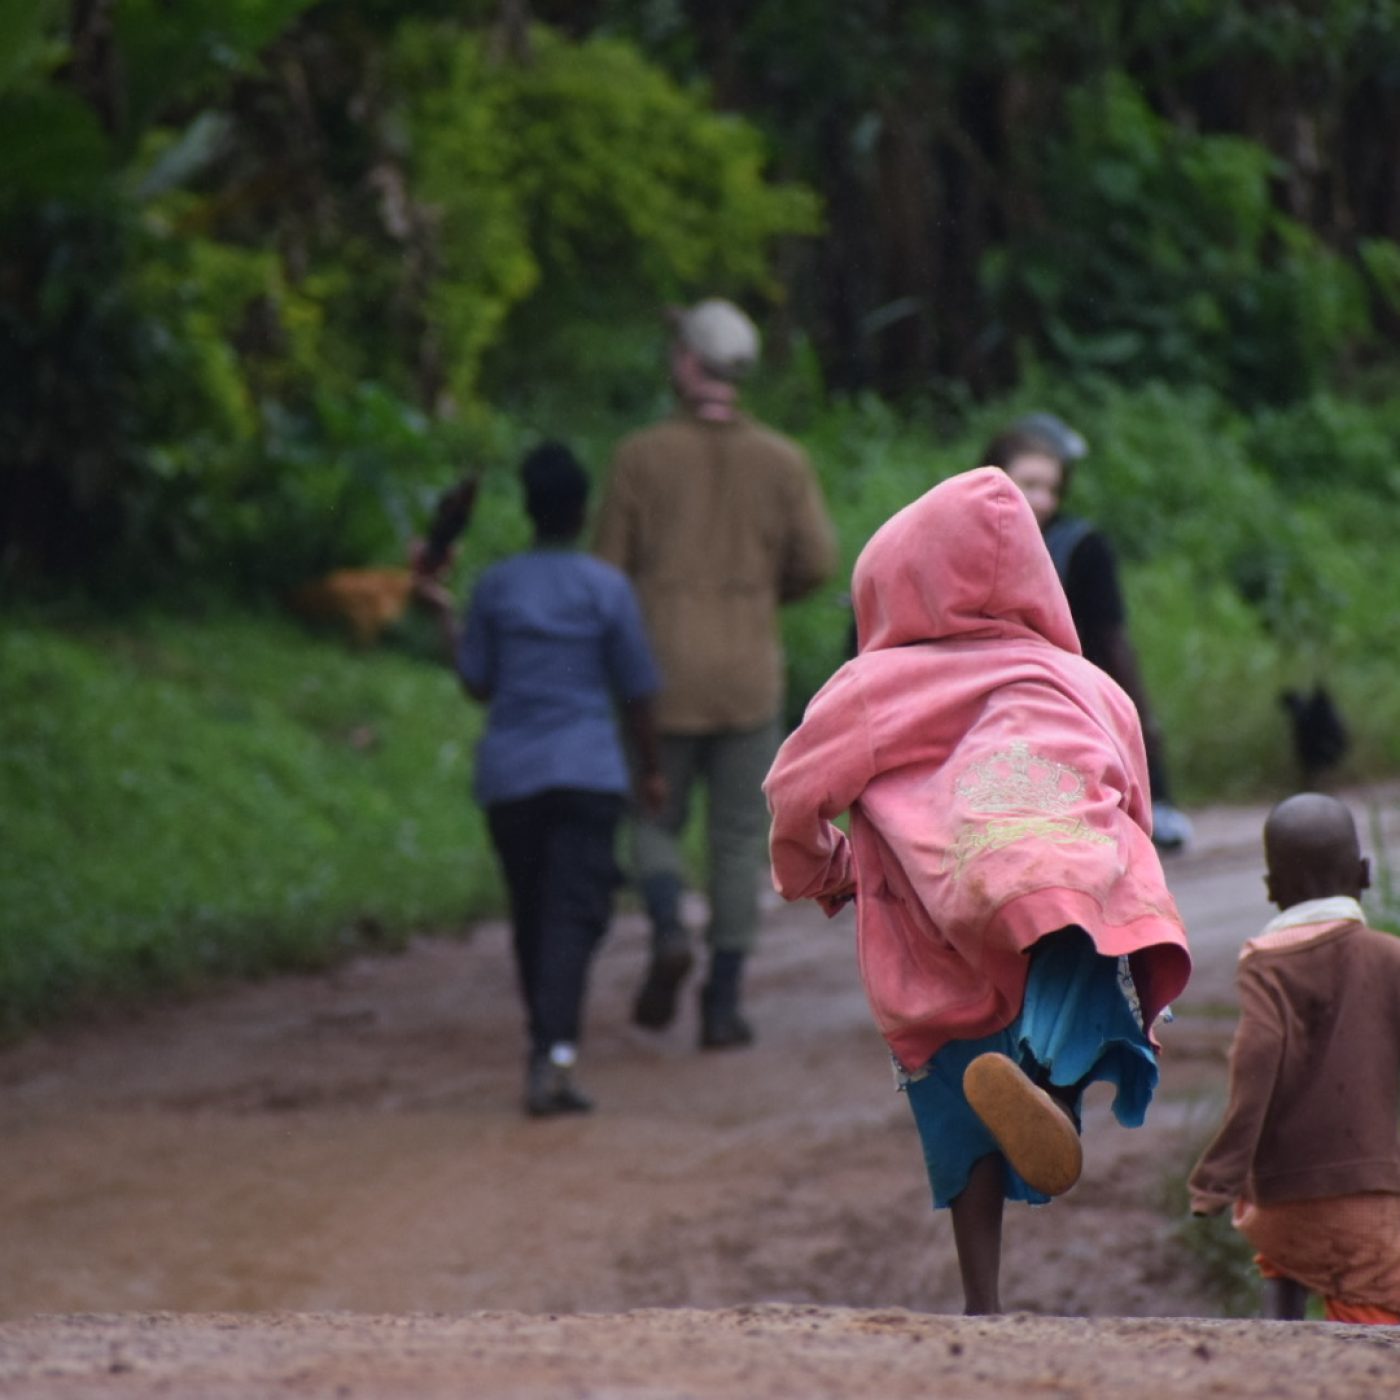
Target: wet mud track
<point>352,1142</point>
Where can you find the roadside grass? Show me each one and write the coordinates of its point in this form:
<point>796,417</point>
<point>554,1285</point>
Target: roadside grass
<point>193,798</point>
<point>1222,1254</point>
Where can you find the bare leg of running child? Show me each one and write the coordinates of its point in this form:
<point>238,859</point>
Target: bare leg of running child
<point>977,1216</point>
<point>977,1212</point>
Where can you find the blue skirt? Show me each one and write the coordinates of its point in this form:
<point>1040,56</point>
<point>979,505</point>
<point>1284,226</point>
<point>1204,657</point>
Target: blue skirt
<point>1078,1024</point>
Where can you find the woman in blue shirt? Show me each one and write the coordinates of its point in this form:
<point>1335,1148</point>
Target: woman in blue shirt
<point>553,643</point>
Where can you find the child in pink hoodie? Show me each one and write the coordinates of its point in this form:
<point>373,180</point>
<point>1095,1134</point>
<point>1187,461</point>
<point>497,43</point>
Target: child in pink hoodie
<point>1015,933</point>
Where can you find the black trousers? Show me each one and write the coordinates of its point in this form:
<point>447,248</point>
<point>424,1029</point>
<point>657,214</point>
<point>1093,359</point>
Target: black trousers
<point>557,854</point>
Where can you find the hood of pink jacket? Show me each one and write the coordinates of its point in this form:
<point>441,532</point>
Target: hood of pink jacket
<point>965,562</point>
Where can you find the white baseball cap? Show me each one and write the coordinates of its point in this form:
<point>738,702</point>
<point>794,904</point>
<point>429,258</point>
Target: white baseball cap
<point>719,335</point>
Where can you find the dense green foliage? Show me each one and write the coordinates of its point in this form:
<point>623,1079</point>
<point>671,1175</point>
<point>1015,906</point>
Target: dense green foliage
<point>1164,255</point>
<point>585,164</point>
<point>227,795</point>
<point>247,286</point>
<point>1198,186</point>
<point>273,270</point>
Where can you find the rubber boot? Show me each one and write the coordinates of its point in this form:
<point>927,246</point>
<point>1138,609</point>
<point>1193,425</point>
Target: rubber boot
<point>671,958</point>
<point>722,1025</point>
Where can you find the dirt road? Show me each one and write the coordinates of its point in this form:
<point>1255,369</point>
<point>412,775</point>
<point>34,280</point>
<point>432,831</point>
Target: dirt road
<point>352,1142</point>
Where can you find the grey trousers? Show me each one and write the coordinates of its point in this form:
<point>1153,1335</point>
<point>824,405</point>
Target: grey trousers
<point>732,765</point>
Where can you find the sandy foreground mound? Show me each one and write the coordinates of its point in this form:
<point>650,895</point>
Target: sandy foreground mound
<point>769,1350</point>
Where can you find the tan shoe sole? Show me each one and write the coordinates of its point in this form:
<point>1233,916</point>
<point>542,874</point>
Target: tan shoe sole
<point>1033,1132</point>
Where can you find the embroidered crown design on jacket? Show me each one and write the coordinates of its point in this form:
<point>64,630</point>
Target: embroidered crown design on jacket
<point>1025,796</point>
<point>1018,779</point>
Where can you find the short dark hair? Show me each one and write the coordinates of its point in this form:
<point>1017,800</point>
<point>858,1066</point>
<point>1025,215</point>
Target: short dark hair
<point>1007,446</point>
<point>556,490</point>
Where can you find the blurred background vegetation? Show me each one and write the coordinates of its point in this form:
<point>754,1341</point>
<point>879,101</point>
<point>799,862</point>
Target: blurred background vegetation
<point>273,273</point>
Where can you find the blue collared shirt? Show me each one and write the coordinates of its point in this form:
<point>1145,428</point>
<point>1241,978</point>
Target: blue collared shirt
<point>555,638</point>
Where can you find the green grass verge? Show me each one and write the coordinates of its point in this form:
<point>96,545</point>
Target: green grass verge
<point>187,799</point>
<point>1221,1253</point>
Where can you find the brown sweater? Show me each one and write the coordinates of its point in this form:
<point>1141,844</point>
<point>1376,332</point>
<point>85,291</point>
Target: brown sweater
<point>1314,1073</point>
<point>716,524</point>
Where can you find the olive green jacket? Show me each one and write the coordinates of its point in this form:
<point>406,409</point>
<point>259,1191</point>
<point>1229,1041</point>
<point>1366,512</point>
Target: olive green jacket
<point>716,523</point>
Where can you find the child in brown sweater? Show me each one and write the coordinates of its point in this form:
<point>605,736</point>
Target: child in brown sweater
<point>1307,1155</point>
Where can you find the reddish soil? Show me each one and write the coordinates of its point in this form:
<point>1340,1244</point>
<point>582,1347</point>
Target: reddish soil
<point>219,1176</point>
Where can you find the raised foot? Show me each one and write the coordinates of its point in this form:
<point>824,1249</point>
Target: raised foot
<point>1034,1133</point>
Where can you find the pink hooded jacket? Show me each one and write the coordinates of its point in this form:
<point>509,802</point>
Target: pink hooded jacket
<point>996,780</point>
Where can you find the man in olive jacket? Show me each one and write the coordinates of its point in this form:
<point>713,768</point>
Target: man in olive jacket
<point>717,520</point>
